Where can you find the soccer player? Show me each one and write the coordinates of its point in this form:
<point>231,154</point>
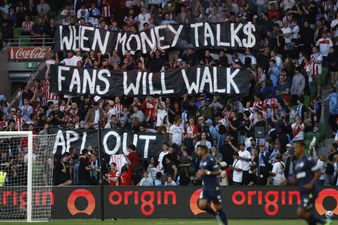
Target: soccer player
<point>208,171</point>
<point>307,174</point>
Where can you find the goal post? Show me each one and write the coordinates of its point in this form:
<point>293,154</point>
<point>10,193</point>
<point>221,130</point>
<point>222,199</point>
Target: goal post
<point>26,176</point>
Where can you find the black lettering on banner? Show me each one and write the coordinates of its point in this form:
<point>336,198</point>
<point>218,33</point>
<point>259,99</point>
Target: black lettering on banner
<point>102,82</point>
<point>113,141</point>
<point>196,35</point>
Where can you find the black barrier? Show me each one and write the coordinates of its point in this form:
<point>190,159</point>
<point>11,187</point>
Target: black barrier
<point>181,202</point>
<point>169,202</point>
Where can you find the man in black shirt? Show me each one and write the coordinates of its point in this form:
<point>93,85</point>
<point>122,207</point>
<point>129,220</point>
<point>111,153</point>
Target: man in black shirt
<point>62,172</point>
<point>233,127</point>
<point>84,168</point>
<point>26,94</point>
<point>227,150</point>
<point>307,36</point>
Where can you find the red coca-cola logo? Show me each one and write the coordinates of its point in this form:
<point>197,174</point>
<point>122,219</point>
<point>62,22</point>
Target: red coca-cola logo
<point>27,53</point>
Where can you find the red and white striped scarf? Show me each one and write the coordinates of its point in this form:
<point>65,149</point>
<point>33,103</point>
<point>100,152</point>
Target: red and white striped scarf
<point>118,108</point>
<point>48,95</point>
<point>257,103</point>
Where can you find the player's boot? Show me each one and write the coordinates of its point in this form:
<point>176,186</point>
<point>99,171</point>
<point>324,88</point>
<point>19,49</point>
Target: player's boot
<point>219,220</point>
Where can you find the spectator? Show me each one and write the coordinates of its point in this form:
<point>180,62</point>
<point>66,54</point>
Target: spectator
<point>84,167</point>
<point>325,44</point>
<point>176,132</point>
<point>316,68</point>
<point>297,85</point>
<point>158,180</point>
<point>94,116</point>
<point>143,18</point>
<point>94,14</point>
<point>315,109</point>
<point>43,8</point>
<point>38,28</point>
<point>26,110</point>
<point>137,117</point>
<point>237,168</point>
<point>321,164</point>
<point>290,161</point>
<point>133,156</point>
<point>273,72</point>
<point>27,26</point>
<point>146,181</point>
<point>335,182</point>
<point>298,129</point>
<point>126,176</point>
<point>278,171</point>
<point>94,170</point>
<point>228,149</point>
<point>170,182</point>
<point>245,159</point>
<point>62,171</point>
<point>216,154</point>
<point>153,168</point>
<point>333,108</point>
<point>330,168</point>
<point>169,168</point>
<point>83,12</point>
<point>203,141</point>
<point>332,64</point>
<point>66,14</point>
<point>263,165</point>
<point>112,177</point>
<point>284,72</point>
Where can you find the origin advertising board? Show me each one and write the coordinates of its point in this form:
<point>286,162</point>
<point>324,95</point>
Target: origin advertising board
<point>170,202</point>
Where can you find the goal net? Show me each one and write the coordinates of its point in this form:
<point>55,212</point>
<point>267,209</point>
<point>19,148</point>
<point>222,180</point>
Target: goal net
<point>26,176</point>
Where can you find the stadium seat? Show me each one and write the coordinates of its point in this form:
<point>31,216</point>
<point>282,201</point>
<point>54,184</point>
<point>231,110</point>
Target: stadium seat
<point>324,76</point>
<point>52,14</point>
<point>307,101</point>
<point>17,32</point>
<point>25,40</point>
<point>322,131</point>
<point>307,139</point>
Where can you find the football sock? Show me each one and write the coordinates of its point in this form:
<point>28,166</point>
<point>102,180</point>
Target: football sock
<point>221,214</point>
<point>315,219</point>
<point>209,210</point>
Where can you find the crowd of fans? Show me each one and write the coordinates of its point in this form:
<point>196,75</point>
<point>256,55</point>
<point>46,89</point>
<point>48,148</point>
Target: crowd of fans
<point>26,18</point>
<point>250,136</point>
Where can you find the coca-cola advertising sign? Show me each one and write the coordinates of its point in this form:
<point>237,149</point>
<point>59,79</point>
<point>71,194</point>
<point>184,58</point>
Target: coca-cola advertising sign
<point>28,53</point>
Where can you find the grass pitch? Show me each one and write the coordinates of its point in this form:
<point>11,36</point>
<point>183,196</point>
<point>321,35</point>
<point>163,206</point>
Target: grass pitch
<point>169,222</point>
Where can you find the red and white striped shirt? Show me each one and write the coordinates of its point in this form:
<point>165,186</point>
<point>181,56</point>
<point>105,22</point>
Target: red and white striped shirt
<point>27,26</point>
<point>119,160</point>
<point>48,95</point>
<point>269,106</point>
<point>19,122</point>
<point>316,68</point>
<point>106,11</point>
<point>191,131</point>
<point>328,5</point>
